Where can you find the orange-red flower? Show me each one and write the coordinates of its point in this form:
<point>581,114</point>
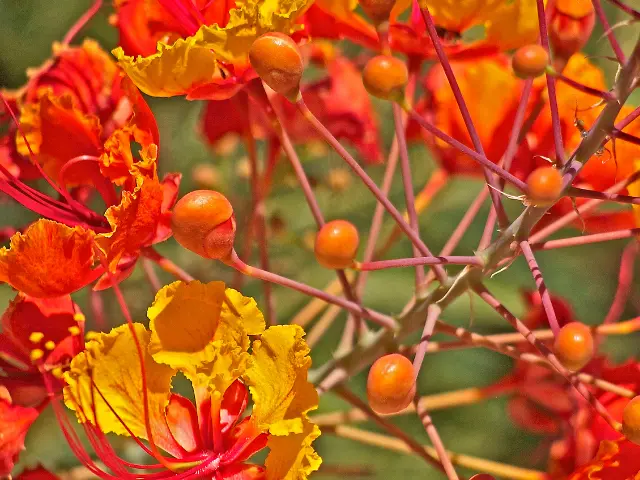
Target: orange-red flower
<point>491,78</point>
<point>81,118</point>
<point>615,460</point>
<point>39,338</point>
<point>339,100</point>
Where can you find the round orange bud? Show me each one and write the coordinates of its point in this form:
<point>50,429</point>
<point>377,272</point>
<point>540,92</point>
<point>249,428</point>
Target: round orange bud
<point>574,345</point>
<point>570,26</point>
<point>378,10</point>
<point>203,222</point>
<point>336,244</point>
<point>530,61</point>
<point>545,185</point>
<point>482,476</point>
<point>631,420</point>
<point>277,60</point>
<point>385,77</point>
<point>391,384</point>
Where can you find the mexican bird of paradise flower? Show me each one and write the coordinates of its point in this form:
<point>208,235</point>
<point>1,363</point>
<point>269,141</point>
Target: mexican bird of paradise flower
<point>79,119</point>
<point>39,337</point>
<point>215,337</point>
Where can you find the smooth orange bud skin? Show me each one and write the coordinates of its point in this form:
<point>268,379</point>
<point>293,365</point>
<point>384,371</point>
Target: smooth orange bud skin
<point>277,60</point>
<point>203,222</point>
<point>391,385</point>
<point>530,61</point>
<point>570,25</point>
<point>574,345</point>
<point>482,476</point>
<point>385,77</point>
<point>336,244</point>
<point>631,420</point>
<point>377,10</point>
<point>545,185</point>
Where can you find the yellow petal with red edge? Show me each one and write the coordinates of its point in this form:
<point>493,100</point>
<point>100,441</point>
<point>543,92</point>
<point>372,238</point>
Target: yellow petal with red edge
<point>133,222</point>
<point>111,366</point>
<point>48,260</point>
<point>277,380</point>
<point>292,457</point>
<point>192,62</point>
<point>57,131</point>
<point>183,320</point>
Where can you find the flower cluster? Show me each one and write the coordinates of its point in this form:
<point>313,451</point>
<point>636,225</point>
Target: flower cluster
<point>502,94</point>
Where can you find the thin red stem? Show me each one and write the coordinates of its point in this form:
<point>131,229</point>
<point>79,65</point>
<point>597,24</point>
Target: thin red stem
<point>615,46</point>
<point>481,159</point>
<point>587,239</point>
<point>410,262</point>
<point>608,96</point>
<point>625,282</point>
<point>380,196</point>
<point>81,22</point>
<point>551,88</point>
<point>541,286</point>
<point>433,313</point>
<point>379,318</point>
<point>613,197</point>
<point>407,182</point>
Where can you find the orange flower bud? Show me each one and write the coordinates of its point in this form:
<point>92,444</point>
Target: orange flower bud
<point>277,60</point>
<point>385,77</point>
<point>377,10</point>
<point>530,61</point>
<point>570,26</point>
<point>631,420</point>
<point>203,222</point>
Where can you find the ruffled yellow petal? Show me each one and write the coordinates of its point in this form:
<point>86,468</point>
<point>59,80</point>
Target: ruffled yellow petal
<point>183,320</point>
<point>203,330</point>
<point>110,364</point>
<point>174,70</point>
<point>277,379</point>
<point>192,62</point>
<point>292,457</point>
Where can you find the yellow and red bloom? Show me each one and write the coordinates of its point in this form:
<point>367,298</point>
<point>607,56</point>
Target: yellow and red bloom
<point>215,337</point>
<point>202,50</point>
<point>38,340</point>
<point>615,460</point>
<point>80,118</point>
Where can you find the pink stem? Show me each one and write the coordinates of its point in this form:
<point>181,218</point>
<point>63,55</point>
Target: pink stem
<point>432,432</point>
<point>625,281</point>
<point>81,22</point>
<point>628,119</point>
<point>551,87</point>
<point>379,318</point>
<point>481,159</point>
<point>433,312</point>
<point>152,278</point>
<point>615,46</point>
<point>410,262</point>
<point>627,9</point>
<point>613,197</point>
<point>259,225</point>
<point>507,157</point>
<point>587,239</point>
<point>407,182</point>
<point>464,111</point>
<point>542,288</point>
<point>608,96</point>
<point>393,211</point>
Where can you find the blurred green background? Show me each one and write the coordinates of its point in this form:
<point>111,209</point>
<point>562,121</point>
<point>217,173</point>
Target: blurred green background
<point>586,276</point>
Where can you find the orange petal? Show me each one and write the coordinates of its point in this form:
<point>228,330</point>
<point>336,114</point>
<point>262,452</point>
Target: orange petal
<point>619,460</point>
<point>48,260</point>
<point>133,222</point>
<point>14,423</point>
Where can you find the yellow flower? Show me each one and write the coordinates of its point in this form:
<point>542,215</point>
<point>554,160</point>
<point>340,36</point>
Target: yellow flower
<point>216,337</point>
<point>194,66</point>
